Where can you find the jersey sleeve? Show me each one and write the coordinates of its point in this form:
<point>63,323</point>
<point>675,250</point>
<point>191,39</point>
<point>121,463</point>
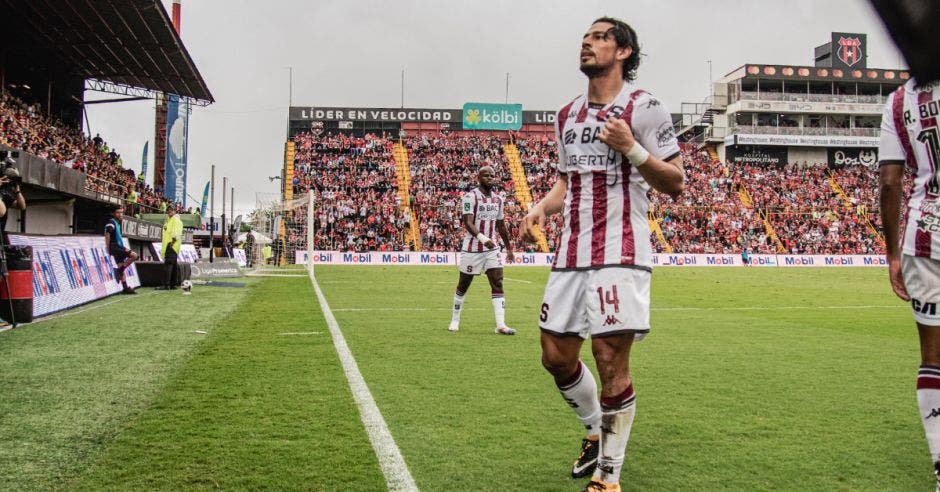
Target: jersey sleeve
<point>502,205</point>
<point>109,228</point>
<point>561,164</point>
<point>466,204</point>
<point>889,146</point>
<point>652,127</point>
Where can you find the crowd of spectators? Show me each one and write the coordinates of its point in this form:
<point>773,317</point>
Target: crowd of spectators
<point>360,209</point>
<point>24,127</point>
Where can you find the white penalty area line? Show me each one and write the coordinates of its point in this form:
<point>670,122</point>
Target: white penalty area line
<point>397,475</point>
<point>300,333</point>
<point>517,280</point>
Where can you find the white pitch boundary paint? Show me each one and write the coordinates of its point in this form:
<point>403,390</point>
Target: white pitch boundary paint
<point>748,308</point>
<point>517,280</point>
<point>397,475</point>
<point>300,333</point>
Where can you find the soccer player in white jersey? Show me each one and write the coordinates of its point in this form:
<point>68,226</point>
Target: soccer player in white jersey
<point>614,143</point>
<point>482,216</point>
<point>910,136</point>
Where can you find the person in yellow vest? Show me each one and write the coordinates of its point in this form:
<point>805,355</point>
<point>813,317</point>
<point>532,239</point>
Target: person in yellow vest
<point>132,199</point>
<point>162,208</point>
<point>267,253</point>
<point>172,240</point>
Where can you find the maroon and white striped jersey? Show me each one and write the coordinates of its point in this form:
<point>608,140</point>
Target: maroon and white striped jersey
<point>909,132</point>
<point>606,203</point>
<point>486,210</point>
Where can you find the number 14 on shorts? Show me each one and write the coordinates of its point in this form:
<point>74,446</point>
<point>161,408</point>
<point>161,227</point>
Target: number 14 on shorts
<point>608,297</point>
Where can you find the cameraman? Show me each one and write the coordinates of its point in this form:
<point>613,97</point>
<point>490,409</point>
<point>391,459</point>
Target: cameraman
<point>10,193</point>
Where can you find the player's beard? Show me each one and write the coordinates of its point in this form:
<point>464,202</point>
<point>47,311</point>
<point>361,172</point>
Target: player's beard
<point>595,70</point>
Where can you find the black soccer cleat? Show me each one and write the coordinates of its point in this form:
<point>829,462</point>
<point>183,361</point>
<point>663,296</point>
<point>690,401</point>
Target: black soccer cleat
<point>587,461</point>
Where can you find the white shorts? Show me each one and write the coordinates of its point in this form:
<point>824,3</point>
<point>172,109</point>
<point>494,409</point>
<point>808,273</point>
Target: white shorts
<point>922,280</point>
<point>477,263</point>
<point>602,302</point>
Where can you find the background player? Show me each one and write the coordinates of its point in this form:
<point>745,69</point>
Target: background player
<point>123,255</point>
<point>482,216</point>
<point>909,134</point>
<point>600,282</point>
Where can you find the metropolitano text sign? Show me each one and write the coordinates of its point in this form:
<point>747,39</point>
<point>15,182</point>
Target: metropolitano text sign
<point>482,116</point>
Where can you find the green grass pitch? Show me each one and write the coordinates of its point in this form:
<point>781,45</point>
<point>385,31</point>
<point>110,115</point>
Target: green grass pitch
<point>752,379</point>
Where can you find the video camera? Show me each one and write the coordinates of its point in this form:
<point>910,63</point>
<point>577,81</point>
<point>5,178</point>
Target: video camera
<point>8,167</point>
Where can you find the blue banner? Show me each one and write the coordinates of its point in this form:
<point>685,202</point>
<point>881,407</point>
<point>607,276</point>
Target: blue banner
<point>205,201</point>
<point>143,163</point>
<point>177,144</point>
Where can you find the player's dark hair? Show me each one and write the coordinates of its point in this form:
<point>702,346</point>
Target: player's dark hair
<point>626,38</point>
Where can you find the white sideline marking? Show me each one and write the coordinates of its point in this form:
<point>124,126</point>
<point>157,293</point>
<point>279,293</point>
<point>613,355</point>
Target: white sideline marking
<point>749,308</point>
<point>393,465</point>
<point>517,280</point>
<point>301,333</point>
<point>403,309</point>
<point>274,275</point>
<point>775,308</point>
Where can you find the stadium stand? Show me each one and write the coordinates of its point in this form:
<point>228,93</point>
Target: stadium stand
<point>799,208</point>
<point>23,127</point>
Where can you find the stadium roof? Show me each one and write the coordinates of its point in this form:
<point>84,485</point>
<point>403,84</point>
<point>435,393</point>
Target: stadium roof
<point>125,46</point>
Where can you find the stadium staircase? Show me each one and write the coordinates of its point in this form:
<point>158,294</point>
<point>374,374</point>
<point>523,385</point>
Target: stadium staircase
<point>834,185</point>
<point>403,173</point>
<point>745,196</point>
<point>521,187</point>
<point>658,231</point>
<point>713,153</point>
<point>768,227</point>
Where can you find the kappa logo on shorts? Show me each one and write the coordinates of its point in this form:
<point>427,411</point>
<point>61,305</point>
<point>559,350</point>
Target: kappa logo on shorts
<point>611,320</point>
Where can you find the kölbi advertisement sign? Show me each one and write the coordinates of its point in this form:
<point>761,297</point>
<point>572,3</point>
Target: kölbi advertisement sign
<point>483,116</point>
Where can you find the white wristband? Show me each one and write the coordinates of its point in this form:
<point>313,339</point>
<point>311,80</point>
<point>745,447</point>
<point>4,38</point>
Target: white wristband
<point>637,155</point>
<point>482,237</point>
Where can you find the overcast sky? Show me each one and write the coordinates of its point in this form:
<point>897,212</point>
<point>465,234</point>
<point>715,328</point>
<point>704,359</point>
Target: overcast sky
<point>351,53</point>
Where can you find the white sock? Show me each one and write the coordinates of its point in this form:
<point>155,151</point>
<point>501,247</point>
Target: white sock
<point>928,400</point>
<point>581,395</point>
<point>458,304</point>
<point>616,420</point>
<point>499,309</point>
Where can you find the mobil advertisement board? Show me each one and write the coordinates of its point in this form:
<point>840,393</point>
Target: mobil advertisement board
<point>380,258</point>
<point>71,270</point>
